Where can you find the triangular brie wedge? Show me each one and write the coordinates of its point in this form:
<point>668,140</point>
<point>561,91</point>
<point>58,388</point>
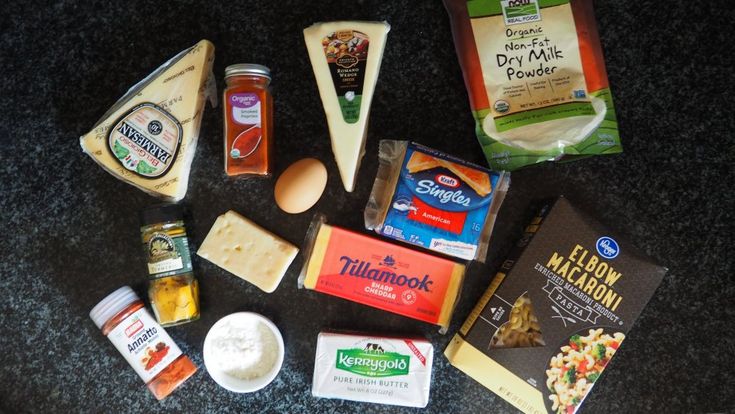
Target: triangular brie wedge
<point>346,57</point>
<point>149,136</point>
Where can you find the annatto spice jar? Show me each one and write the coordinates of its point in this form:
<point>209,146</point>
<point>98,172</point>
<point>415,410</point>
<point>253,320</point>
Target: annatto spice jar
<point>248,120</point>
<point>123,318</point>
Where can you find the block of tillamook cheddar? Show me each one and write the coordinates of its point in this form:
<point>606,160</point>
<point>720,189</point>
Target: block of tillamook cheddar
<point>377,273</point>
<point>374,369</point>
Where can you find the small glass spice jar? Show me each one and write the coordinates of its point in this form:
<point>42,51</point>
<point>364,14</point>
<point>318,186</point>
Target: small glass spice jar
<point>248,120</point>
<point>146,346</point>
<point>172,290</point>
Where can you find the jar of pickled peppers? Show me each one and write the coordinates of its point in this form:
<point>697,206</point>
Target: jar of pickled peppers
<point>172,290</point>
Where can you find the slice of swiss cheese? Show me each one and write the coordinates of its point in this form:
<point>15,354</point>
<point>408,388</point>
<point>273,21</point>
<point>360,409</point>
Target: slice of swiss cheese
<point>248,251</point>
<point>348,138</point>
<point>148,137</point>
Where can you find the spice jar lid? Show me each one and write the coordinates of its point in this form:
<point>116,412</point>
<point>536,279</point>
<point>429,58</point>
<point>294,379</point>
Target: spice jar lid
<point>112,304</point>
<point>161,214</point>
<point>248,69</point>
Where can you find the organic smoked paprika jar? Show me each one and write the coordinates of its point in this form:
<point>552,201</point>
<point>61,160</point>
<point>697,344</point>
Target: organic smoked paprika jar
<point>123,318</point>
<point>248,120</point>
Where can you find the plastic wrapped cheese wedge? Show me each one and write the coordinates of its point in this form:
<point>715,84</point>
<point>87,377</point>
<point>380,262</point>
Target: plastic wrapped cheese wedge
<point>380,274</point>
<point>149,136</point>
<point>346,59</point>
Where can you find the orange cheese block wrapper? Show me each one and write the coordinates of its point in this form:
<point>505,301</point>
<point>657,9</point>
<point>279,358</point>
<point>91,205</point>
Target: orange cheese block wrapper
<point>380,274</point>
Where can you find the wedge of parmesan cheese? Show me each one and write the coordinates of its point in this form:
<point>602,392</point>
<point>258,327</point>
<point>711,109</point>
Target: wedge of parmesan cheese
<point>346,57</point>
<point>148,137</point>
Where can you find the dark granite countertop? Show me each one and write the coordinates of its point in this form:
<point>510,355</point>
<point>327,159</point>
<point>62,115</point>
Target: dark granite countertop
<point>70,232</point>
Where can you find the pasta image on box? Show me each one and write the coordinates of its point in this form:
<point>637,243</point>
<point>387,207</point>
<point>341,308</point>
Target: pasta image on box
<point>556,312</point>
<point>380,274</point>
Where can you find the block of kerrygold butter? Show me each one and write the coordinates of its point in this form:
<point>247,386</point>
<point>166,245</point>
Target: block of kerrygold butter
<point>248,251</point>
<point>380,274</point>
<point>376,369</point>
<point>149,136</point>
<point>346,59</point>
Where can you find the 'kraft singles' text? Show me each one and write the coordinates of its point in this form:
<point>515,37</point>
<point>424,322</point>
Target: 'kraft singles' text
<point>431,188</point>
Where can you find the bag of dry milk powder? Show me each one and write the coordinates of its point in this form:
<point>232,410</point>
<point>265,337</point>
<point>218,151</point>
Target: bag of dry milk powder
<point>536,78</point>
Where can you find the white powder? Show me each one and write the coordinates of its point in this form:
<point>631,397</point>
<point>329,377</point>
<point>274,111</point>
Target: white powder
<point>244,349</point>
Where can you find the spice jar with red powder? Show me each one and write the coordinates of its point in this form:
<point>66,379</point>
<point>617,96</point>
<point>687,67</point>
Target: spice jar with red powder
<point>248,120</point>
<point>159,362</point>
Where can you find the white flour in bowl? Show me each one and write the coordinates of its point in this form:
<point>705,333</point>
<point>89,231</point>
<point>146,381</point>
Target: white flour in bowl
<point>244,349</point>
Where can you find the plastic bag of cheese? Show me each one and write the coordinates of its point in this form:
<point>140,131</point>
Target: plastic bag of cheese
<point>536,79</point>
<point>149,136</point>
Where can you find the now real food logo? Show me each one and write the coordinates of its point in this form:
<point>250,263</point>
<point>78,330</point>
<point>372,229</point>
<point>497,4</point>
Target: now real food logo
<point>372,363</point>
<point>520,11</point>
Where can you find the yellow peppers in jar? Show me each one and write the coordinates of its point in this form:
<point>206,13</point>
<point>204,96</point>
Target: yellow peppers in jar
<point>173,290</point>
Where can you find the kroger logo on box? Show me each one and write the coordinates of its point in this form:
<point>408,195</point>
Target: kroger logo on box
<point>607,247</point>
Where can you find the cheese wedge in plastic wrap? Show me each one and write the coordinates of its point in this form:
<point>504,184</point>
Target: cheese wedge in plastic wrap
<point>346,59</point>
<point>148,137</point>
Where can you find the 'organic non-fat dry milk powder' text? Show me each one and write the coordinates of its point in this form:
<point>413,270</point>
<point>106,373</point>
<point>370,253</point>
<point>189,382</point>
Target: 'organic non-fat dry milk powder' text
<point>536,78</point>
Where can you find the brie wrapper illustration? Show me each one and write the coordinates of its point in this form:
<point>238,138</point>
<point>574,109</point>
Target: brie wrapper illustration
<point>346,59</point>
<point>148,137</point>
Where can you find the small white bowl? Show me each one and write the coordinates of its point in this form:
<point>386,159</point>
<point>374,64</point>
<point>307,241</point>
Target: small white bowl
<point>235,384</point>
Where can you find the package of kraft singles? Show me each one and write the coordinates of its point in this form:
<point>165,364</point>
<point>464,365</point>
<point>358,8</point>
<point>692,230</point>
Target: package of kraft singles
<point>434,200</point>
<point>556,312</point>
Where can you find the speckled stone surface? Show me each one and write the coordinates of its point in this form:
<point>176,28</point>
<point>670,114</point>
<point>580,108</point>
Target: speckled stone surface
<point>70,232</point>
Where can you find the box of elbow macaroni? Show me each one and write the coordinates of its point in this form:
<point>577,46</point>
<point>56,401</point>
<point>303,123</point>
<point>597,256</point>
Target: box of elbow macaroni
<point>377,369</point>
<point>557,311</point>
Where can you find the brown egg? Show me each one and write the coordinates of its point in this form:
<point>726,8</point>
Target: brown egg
<point>301,185</point>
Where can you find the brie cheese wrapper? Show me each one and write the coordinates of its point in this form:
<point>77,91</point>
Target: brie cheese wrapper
<point>148,137</point>
<point>346,57</point>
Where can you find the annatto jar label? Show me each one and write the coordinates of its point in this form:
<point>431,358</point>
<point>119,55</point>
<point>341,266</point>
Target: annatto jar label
<point>144,344</point>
